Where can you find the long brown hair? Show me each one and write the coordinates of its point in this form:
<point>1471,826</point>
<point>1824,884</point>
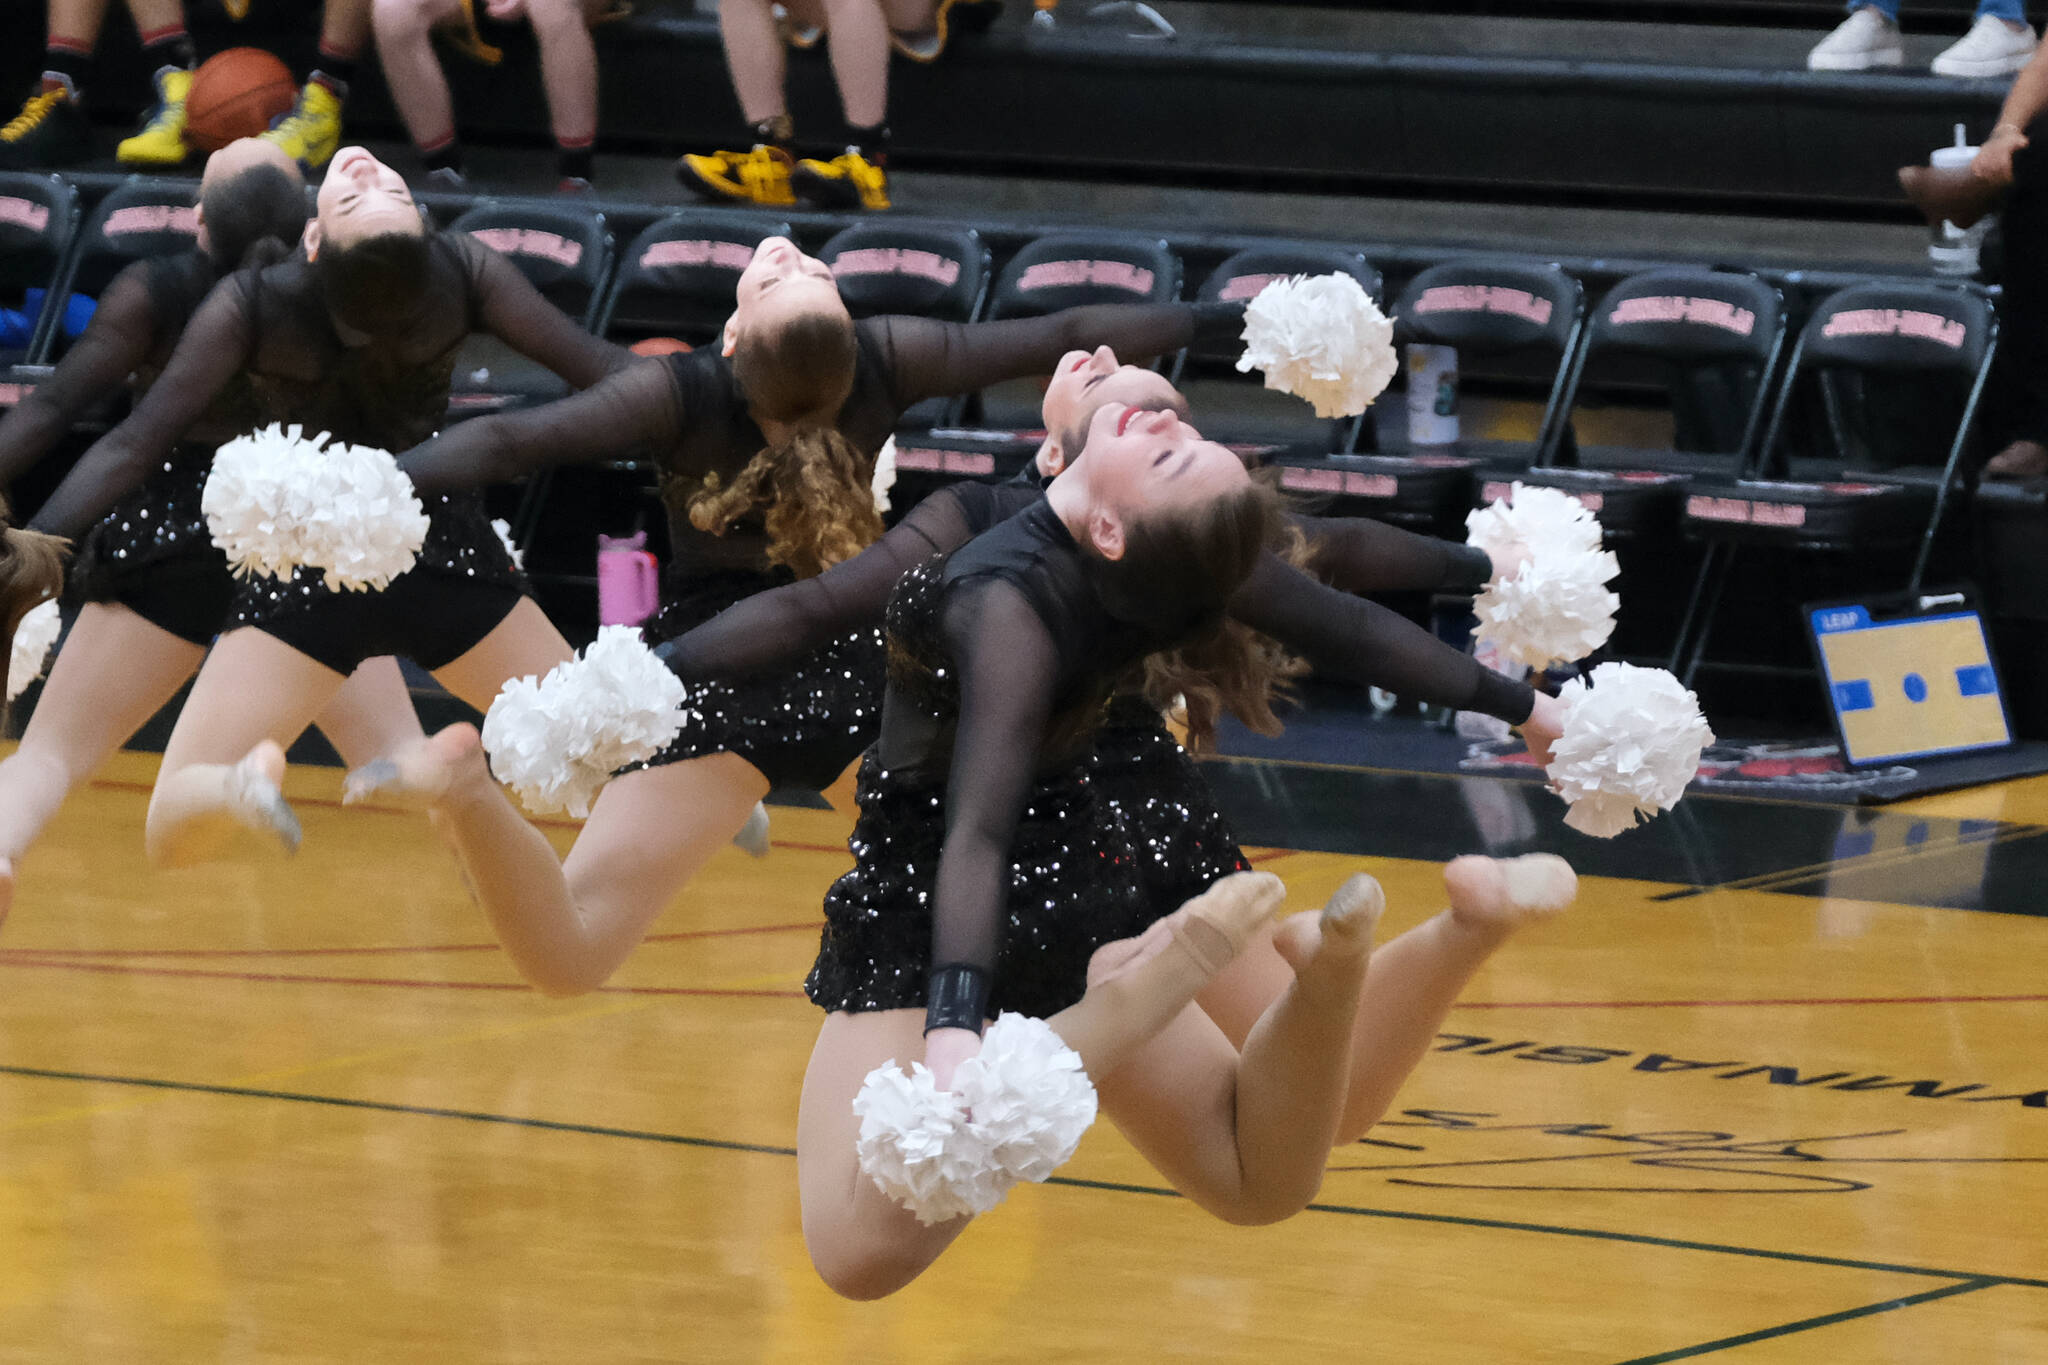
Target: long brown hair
<point>1185,565</point>
<point>31,573</point>
<point>814,489</point>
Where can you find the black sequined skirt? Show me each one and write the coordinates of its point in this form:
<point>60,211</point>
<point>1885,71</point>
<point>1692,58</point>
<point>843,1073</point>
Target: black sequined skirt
<point>1074,887</point>
<point>1182,843</point>
<point>801,726</point>
<point>154,555</point>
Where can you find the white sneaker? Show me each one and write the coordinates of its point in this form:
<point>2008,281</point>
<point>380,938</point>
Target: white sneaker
<point>1861,41</point>
<point>1988,49</point>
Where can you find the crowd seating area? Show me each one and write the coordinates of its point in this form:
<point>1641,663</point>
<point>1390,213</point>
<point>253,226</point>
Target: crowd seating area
<point>1740,431</point>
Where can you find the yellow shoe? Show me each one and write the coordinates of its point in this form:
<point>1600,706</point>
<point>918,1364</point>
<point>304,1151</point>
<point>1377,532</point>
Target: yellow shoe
<point>848,181</point>
<point>162,139</point>
<point>311,133</point>
<point>757,177</point>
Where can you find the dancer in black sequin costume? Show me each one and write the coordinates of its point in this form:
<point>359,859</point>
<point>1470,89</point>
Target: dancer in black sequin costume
<point>153,588</point>
<point>357,338</point>
<point>952,813</point>
<point>766,449</point>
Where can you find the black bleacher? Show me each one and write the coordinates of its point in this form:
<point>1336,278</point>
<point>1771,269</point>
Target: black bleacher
<point>1645,126</point>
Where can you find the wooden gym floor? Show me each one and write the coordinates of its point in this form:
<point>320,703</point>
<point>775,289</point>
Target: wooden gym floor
<point>303,1112</point>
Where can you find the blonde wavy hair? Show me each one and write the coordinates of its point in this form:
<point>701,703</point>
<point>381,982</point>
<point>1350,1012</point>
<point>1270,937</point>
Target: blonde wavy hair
<point>814,489</point>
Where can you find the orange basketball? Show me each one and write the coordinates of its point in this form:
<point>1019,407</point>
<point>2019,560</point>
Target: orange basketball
<point>658,346</point>
<point>236,94</point>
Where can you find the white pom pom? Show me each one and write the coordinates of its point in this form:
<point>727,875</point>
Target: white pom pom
<point>504,530</point>
<point>276,501</point>
<point>916,1145</point>
<point>555,741</point>
<point>1018,1112</point>
<point>885,474</point>
<point>1322,338</point>
<point>1556,608</point>
<point>34,638</point>
<point>1632,740</point>
<point>1028,1095</point>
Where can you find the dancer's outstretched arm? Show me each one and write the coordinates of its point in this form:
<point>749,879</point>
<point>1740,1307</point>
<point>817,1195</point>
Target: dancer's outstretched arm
<point>120,337</point>
<point>216,344</point>
<point>1358,554</point>
<point>1365,643</point>
<point>772,628</point>
<point>511,309</point>
<point>929,359</point>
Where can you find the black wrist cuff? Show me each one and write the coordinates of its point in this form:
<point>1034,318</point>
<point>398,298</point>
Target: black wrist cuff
<point>956,998</point>
<point>1505,698</point>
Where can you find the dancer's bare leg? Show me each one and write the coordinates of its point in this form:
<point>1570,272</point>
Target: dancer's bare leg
<point>372,714</point>
<point>1413,980</point>
<point>567,925</point>
<point>863,1244</point>
<point>116,670</point>
<point>1248,1136</point>
<point>224,764</point>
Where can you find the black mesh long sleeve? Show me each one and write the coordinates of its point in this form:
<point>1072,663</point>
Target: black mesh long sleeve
<point>511,309</point>
<point>771,628</point>
<point>1364,643</point>
<point>215,345</point>
<point>1008,666</point>
<point>1357,554</point>
<point>928,359</point>
<point>627,410</point>
<point>119,338</point>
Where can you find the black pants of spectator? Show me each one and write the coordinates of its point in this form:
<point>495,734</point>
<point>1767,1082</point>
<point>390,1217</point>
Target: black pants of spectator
<point>2017,396</point>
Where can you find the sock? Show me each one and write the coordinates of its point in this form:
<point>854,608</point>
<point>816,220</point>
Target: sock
<point>66,62</point>
<point>170,45</point>
<point>775,132</point>
<point>443,155</point>
<point>335,71</point>
<point>572,158</point>
<point>872,144</point>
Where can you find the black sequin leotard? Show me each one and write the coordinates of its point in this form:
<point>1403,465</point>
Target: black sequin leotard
<point>804,723</point>
<point>1159,828</point>
<point>151,553</point>
<point>274,330</point>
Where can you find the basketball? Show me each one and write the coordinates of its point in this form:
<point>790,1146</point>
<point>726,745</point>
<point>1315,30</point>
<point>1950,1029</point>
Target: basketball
<point>658,346</point>
<point>236,94</point>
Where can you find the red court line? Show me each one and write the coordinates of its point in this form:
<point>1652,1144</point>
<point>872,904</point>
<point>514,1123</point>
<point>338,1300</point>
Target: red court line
<point>379,950</point>
<point>1747,1004</point>
<point>122,969</point>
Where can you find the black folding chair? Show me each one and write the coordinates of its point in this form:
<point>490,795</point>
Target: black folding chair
<point>679,276</point>
<point>39,217</point>
<point>1707,342</point>
<point>932,272</point>
<point>1887,333</point>
<point>566,253</point>
<point>1238,409</point>
<point>1525,319</point>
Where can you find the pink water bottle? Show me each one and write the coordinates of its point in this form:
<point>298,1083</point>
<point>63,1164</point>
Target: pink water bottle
<point>628,580</point>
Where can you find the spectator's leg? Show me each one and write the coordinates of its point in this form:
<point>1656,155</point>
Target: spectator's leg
<point>568,71</point>
<point>1868,37</point>
<point>2019,391</point>
<point>311,132</point>
<point>857,33</point>
<point>754,57</point>
<point>51,129</point>
<point>168,49</point>
<point>413,73</point>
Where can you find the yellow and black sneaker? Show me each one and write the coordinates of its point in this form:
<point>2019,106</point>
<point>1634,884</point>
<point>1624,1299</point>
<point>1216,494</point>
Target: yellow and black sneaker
<point>760,176</point>
<point>162,139</point>
<point>311,133</point>
<point>50,131</point>
<point>847,181</point>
